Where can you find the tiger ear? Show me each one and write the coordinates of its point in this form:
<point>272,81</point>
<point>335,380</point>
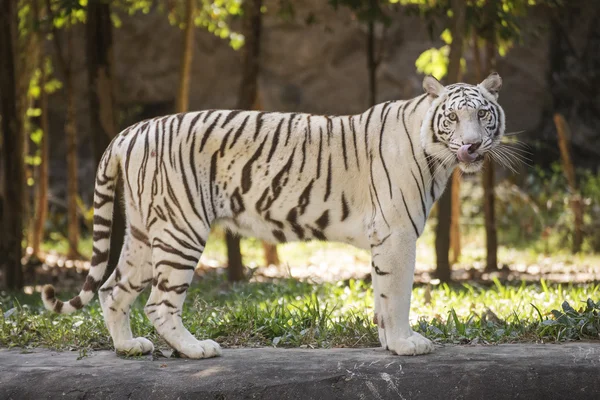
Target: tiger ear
<point>432,86</point>
<point>493,84</point>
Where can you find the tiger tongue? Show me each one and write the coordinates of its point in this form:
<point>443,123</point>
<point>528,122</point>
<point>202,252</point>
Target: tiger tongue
<point>464,155</point>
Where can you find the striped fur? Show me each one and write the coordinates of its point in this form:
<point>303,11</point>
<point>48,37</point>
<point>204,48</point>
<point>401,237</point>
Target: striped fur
<point>369,180</point>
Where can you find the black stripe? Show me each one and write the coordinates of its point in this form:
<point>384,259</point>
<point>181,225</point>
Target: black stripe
<point>420,194</point>
<point>193,122</point>
<point>275,140</point>
<point>232,114</point>
<point>387,174</point>
<point>431,170</point>
<point>354,140</point>
<point>412,149</point>
<point>207,114</point>
<point>98,220</point>
<point>259,122</point>
<point>320,152</point>
<point>224,142</point>
<point>382,241</point>
<point>167,248</point>
<point>345,209</point>
<point>328,185</point>
<point>188,191</point>
<point>239,131</point>
<point>367,128</point>
<point>323,220</point>
<point>174,265</point>
<point>99,235</point>
<point>344,144</point>
<point>377,194</point>
<point>303,155</point>
<point>247,169</point>
<point>409,215</point>
<point>208,132</point>
<point>104,199</point>
<point>379,271</point>
<point>289,129</point>
<point>304,198</point>
<point>423,97</point>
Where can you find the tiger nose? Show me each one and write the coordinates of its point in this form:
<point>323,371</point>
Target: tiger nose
<point>473,147</point>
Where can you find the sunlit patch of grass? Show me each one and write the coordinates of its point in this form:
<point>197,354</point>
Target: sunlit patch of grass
<point>290,313</point>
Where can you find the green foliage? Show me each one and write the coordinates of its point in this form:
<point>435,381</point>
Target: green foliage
<point>435,61</point>
<point>571,324</point>
<point>67,12</point>
<point>214,16</point>
<point>34,91</point>
<point>507,15</point>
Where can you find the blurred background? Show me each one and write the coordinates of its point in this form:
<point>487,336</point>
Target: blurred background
<point>75,72</point>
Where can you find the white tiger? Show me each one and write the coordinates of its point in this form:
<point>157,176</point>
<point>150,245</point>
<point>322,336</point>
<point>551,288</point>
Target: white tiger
<point>369,180</point>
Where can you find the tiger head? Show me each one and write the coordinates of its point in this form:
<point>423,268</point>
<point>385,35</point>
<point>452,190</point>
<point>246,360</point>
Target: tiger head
<point>464,122</point>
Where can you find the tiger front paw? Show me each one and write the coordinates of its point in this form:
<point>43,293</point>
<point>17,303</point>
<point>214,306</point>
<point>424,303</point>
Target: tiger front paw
<point>414,345</point>
<point>200,349</point>
<point>134,347</point>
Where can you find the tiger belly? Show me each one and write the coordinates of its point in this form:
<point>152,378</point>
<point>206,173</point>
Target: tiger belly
<point>350,231</point>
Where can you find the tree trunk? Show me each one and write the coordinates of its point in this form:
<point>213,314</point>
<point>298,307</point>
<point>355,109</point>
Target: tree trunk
<point>71,136</point>
<point>442,235</point>
<point>251,28</point>
<point>235,268</point>
<point>491,233</point>
<point>103,124</point>
<point>27,55</point>
<point>43,171</point>
<point>455,218</point>
<point>183,96</point>
<point>11,155</point>
<point>371,63</point>
<point>564,135</point>
<point>271,255</point>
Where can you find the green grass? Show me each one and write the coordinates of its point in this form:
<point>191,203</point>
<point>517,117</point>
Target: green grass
<point>290,313</point>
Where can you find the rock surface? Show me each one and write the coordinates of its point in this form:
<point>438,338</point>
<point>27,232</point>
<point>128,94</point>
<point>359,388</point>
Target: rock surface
<point>525,371</point>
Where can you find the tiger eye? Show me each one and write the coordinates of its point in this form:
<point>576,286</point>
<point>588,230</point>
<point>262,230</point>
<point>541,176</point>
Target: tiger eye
<point>481,113</point>
<point>452,116</point>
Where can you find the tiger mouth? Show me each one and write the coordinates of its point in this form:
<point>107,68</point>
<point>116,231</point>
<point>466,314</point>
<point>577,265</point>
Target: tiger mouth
<point>476,160</point>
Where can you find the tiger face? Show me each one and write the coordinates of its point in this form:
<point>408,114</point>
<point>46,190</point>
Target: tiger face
<point>464,122</point>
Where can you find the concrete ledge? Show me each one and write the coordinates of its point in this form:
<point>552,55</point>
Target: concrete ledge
<point>528,371</point>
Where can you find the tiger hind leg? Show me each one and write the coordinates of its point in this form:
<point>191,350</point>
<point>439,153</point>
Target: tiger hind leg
<point>173,273</point>
<point>128,280</point>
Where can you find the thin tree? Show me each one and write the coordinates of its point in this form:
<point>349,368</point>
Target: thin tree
<point>41,197</point>
<point>442,237</point>
<point>563,132</point>
<point>103,124</point>
<point>183,95</point>
<point>64,61</point>
<point>11,154</point>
